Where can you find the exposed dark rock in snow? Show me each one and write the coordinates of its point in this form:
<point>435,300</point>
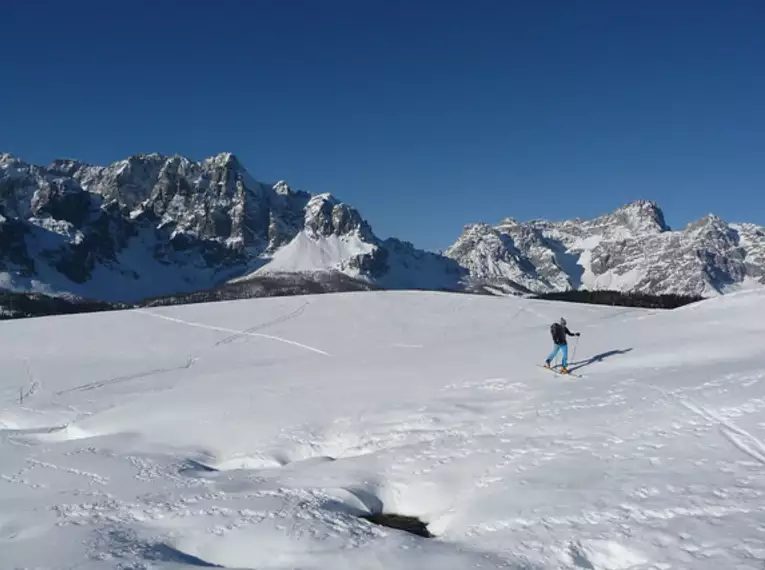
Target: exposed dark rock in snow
<point>412,525</point>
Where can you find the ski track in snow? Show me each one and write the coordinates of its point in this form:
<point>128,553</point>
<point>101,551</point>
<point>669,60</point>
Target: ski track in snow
<point>247,332</point>
<point>92,476</point>
<point>741,438</point>
<point>138,375</point>
<point>512,467</point>
<point>190,361</point>
<point>235,333</point>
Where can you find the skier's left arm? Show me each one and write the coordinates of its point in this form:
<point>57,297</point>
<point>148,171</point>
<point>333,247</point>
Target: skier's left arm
<point>569,333</point>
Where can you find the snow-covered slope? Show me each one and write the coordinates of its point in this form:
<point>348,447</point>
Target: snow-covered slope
<point>155,225</point>
<point>631,249</point>
<point>251,434</point>
<point>337,239</point>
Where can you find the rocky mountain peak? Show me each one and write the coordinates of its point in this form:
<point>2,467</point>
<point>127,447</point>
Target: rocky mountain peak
<point>631,249</point>
<point>641,215</point>
<point>710,226</point>
<point>473,231</point>
<point>476,236</point>
<point>326,216</point>
<point>282,188</point>
<point>65,166</point>
<point>227,160</point>
<point>706,221</point>
<point>509,222</point>
<point>154,224</point>
<point>6,158</point>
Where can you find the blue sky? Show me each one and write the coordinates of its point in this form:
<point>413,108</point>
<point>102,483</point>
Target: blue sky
<point>424,114</point>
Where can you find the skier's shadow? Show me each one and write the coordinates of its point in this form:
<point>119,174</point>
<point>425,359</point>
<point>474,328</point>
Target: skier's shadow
<point>597,358</point>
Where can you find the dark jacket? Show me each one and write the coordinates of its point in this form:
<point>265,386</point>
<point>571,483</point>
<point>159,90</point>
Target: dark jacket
<point>559,333</point>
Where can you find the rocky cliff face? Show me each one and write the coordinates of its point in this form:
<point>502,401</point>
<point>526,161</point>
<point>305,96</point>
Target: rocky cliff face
<point>154,225</point>
<point>631,249</point>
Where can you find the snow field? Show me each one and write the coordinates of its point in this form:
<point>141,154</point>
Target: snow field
<point>251,434</point>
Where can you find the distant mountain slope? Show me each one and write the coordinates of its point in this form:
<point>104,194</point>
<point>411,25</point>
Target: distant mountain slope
<point>631,249</point>
<point>154,225</point>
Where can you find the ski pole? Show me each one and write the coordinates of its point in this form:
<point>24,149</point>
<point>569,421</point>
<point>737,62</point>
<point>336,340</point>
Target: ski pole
<point>573,356</point>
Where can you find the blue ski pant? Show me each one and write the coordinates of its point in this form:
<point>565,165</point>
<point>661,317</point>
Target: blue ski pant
<point>564,349</point>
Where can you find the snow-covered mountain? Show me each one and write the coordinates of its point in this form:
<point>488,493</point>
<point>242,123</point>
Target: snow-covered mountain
<point>154,225</point>
<point>631,249</point>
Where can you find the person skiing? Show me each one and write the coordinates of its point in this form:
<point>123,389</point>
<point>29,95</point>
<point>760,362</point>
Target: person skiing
<point>559,332</point>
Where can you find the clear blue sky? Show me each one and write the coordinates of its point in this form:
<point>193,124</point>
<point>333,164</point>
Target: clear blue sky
<point>424,114</point>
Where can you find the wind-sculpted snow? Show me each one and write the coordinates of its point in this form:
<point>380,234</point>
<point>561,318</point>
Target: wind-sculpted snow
<point>259,433</point>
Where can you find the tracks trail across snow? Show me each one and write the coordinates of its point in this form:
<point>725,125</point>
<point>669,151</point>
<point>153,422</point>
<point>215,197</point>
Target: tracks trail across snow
<point>745,441</point>
<point>235,333</point>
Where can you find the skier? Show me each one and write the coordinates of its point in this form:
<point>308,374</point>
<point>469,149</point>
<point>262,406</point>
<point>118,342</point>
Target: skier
<point>559,332</point>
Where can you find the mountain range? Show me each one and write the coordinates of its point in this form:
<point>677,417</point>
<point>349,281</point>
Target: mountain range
<point>151,226</point>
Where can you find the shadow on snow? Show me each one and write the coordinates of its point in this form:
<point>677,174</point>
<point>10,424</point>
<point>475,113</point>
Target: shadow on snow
<point>597,358</point>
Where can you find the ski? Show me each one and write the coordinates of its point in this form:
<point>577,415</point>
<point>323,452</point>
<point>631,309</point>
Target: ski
<point>558,373</point>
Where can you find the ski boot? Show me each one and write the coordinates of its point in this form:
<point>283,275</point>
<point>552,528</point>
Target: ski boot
<point>547,364</point>
<point>563,370</point>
